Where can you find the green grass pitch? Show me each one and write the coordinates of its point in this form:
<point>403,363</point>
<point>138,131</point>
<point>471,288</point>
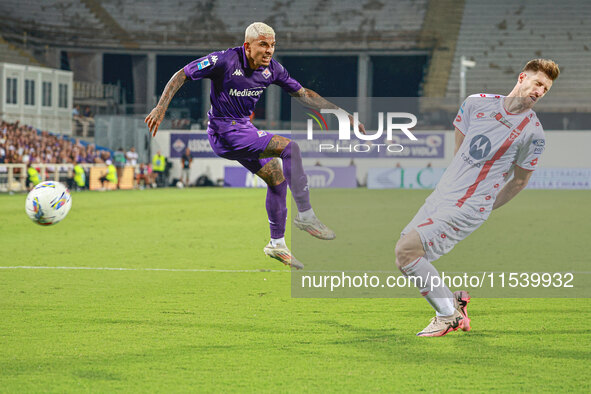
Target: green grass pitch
<point>67,330</point>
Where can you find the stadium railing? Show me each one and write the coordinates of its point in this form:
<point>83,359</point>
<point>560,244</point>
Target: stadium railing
<point>13,177</point>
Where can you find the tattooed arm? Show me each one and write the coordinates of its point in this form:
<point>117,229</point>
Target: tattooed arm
<point>310,99</point>
<point>155,117</point>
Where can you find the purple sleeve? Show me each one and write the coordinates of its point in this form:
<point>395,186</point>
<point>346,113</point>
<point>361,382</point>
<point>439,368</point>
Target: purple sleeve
<point>205,66</point>
<point>284,80</point>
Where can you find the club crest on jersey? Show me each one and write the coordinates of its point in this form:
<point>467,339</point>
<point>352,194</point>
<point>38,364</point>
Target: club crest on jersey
<point>203,64</point>
<point>501,119</point>
<point>261,133</point>
<point>266,73</point>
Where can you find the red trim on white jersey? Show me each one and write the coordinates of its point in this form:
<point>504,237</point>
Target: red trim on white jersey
<point>526,169</point>
<point>489,163</point>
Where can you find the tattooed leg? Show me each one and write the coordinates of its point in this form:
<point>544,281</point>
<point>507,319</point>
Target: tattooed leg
<point>275,147</point>
<point>276,203</point>
<point>293,169</point>
<point>271,173</point>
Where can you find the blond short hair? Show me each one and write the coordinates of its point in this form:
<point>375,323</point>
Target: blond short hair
<point>258,29</point>
<point>547,66</point>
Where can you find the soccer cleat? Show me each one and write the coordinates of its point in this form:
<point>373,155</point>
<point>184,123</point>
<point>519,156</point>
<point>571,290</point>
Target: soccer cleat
<point>441,325</point>
<point>461,300</point>
<point>315,228</point>
<point>281,253</point>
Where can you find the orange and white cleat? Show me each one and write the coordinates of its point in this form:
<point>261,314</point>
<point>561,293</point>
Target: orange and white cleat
<point>461,300</point>
<point>282,253</point>
<point>441,325</point>
<point>315,228</point>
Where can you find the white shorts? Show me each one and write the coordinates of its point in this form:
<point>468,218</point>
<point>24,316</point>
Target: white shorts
<point>441,227</point>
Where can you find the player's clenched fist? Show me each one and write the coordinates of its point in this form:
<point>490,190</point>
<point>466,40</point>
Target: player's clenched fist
<point>154,119</point>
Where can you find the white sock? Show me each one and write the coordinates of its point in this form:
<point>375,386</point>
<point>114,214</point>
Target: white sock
<point>441,297</point>
<point>306,215</point>
<point>278,241</point>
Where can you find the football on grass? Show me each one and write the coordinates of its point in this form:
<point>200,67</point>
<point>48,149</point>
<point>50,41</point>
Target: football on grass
<point>48,203</point>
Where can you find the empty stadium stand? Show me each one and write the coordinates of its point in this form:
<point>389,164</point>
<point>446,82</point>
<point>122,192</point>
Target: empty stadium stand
<point>175,24</point>
<point>501,36</point>
<point>54,22</point>
<point>13,54</point>
<point>348,22</point>
<point>439,35</point>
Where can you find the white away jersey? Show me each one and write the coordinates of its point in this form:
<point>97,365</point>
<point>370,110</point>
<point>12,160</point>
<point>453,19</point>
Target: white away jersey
<point>495,141</point>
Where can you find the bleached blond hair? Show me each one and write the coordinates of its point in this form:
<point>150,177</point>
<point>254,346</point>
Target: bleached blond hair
<point>258,29</point>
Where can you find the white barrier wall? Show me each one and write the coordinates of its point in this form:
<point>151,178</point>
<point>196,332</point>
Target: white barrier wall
<point>564,149</point>
<point>567,149</point>
<point>37,96</point>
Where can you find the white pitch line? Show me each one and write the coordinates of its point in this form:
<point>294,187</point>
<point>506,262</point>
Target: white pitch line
<point>136,269</point>
<point>223,270</point>
<point>185,270</point>
<point>180,269</point>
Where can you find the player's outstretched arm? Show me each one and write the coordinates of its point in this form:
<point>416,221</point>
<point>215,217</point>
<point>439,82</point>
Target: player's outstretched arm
<point>155,117</point>
<point>310,99</point>
<point>513,187</point>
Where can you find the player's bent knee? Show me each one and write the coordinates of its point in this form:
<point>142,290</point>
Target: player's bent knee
<point>407,250</point>
<point>401,254</point>
<point>399,265</point>
<point>271,173</point>
<point>294,149</point>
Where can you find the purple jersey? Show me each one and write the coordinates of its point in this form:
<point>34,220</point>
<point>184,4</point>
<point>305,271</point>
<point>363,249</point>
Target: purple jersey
<point>235,87</point>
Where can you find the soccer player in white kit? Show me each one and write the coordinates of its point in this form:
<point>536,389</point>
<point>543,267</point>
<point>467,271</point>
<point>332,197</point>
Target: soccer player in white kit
<point>498,142</point>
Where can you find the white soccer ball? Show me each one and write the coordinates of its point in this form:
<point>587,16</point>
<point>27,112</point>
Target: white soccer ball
<point>48,203</point>
<point>180,185</point>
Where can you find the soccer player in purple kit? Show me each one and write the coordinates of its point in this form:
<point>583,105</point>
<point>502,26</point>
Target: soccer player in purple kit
<point>239,76</point>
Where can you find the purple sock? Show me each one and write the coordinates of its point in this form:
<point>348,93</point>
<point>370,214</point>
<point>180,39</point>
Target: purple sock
<point>277,209</point>
<point>296,178</point>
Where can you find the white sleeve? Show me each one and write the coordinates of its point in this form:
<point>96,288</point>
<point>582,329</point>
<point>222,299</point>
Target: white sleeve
<point>532,148</point>
<point>462,120</point>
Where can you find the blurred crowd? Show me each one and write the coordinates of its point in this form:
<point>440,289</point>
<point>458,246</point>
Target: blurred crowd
<point>20,144</point>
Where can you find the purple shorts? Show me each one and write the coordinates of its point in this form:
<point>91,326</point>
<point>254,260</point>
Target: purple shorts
<point>240,140</point>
